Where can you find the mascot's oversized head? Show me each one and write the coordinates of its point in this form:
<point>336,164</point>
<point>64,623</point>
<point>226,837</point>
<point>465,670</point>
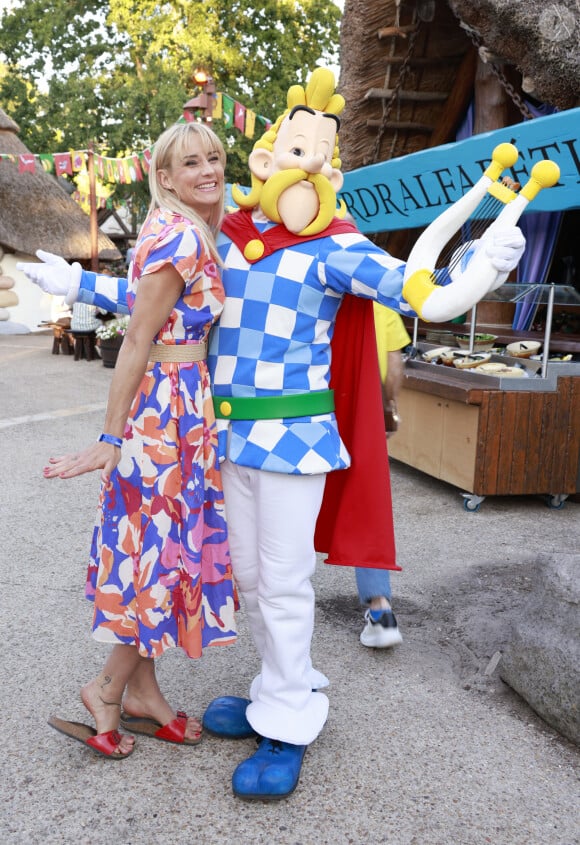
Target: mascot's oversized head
<point>295,165</point>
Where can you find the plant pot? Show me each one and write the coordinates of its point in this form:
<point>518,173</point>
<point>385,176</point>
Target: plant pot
<point>109,349</point>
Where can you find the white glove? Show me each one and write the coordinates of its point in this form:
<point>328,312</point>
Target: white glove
<point>55,275</point>
<point>504,248</point>
<point>484,268</point>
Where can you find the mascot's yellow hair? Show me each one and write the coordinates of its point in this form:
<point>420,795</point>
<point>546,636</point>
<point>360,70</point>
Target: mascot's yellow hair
<point>319,95</point>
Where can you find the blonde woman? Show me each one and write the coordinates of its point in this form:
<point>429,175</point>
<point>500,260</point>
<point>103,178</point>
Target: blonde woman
<point>159,573</point>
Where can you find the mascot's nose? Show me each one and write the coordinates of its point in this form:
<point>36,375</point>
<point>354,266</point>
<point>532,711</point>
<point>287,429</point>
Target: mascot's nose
<point>314,163</point>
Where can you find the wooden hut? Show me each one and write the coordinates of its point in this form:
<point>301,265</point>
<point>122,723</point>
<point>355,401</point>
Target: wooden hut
<point>409,69</point>
<point>37,213</point>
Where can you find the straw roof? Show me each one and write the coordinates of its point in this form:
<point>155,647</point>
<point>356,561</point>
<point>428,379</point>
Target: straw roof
<point>541,40</point>
<point>36,213</point>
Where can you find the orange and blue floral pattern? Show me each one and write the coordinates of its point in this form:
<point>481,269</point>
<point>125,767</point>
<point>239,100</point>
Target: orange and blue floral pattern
<point>160,573</point>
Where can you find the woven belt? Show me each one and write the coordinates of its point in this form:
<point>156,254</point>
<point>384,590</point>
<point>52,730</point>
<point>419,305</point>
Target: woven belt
<point>178,353</point>
<point>273,407</point>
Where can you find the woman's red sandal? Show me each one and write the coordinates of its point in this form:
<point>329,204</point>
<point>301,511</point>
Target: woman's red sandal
<point>173,731</point>
<point>106,744</point>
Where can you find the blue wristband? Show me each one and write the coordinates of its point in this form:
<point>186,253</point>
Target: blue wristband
<point>110,438</point>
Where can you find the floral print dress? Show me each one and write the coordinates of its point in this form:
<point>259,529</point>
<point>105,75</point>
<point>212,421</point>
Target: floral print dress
<point>160,573</point>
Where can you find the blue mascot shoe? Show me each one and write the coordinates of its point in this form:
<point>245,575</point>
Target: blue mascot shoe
<point>271,773</point>
<point>226,716</point>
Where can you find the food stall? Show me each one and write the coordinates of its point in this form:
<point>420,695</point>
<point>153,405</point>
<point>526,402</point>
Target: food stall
<point>513,430</point>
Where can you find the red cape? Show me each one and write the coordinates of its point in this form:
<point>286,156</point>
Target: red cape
<point>355,524</point>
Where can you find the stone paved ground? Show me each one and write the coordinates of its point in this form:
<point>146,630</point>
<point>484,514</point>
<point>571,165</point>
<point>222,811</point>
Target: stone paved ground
<point>424,744</point>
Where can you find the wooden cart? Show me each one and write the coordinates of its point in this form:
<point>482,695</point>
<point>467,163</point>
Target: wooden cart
<point>492,436</point>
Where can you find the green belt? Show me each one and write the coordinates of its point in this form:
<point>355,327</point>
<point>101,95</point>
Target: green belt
<point>273,407</point>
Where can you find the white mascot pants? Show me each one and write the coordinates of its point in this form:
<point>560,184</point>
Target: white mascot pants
<point>271,519</point>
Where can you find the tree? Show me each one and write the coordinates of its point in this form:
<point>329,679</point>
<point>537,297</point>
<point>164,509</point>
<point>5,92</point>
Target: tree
<point>119,72</point>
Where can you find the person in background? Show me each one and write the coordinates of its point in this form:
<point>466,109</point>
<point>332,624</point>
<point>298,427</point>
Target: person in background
<point>84,318</point>
<point>83,325</point>
<point>159,572</point>
<point>374,585</point>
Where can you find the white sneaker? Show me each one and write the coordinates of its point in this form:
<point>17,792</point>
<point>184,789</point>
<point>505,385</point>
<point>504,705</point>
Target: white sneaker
<point>382,632</point>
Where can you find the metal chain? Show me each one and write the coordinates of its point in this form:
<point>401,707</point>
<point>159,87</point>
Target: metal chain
<point>498,73</point>
<point>387,107</point>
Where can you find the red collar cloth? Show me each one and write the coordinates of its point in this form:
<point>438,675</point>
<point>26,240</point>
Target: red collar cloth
<point>355,523</point>
<point>240,227</point>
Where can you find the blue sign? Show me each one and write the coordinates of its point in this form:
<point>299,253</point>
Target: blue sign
<point>411,191</point>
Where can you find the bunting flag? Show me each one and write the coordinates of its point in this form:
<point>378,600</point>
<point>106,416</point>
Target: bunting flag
<point>110,170</point>
<point>78,160</point>
<point>146,160</point>
<point>239,116</point>
<point>228,110</point>
<point>26,163</point>
<point>218,107</point>
<point>135,170</point>
<point>82,195</point>
<point>250,123</point>
<point>62,164</point>
<point>47,162</point>
<point>123,171</point>
<point>264,122</point>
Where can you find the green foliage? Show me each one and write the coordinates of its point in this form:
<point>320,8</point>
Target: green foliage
<point>118,72</point>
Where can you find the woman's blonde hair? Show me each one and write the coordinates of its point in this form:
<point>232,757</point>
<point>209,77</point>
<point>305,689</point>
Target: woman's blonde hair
<point>172,145</point>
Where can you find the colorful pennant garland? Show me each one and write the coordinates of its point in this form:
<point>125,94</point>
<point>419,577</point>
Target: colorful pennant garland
<point>132,168</point>
<point>124,170</point>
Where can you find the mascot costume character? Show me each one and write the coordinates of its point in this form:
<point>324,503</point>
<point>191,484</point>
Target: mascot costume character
<point>289,264</point>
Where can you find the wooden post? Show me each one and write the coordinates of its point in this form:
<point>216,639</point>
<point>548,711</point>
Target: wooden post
<point>492,105</point>
<point>493,109</point>
<point>93,210</point>
<point>210,95</point>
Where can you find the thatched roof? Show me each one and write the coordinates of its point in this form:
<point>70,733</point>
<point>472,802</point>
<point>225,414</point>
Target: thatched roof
<point>434,41</point>
<point>36,213</point>
<point>541,40</point>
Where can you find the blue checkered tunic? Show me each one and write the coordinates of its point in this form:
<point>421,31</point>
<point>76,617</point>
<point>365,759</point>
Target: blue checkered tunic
<point>273,338</point>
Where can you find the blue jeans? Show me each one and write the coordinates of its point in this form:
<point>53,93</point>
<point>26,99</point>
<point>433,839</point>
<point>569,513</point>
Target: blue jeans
<point>371,583</point>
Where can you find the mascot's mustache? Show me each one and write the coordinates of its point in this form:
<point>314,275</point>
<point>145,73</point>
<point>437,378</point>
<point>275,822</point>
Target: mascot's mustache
<point>279,182</point>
